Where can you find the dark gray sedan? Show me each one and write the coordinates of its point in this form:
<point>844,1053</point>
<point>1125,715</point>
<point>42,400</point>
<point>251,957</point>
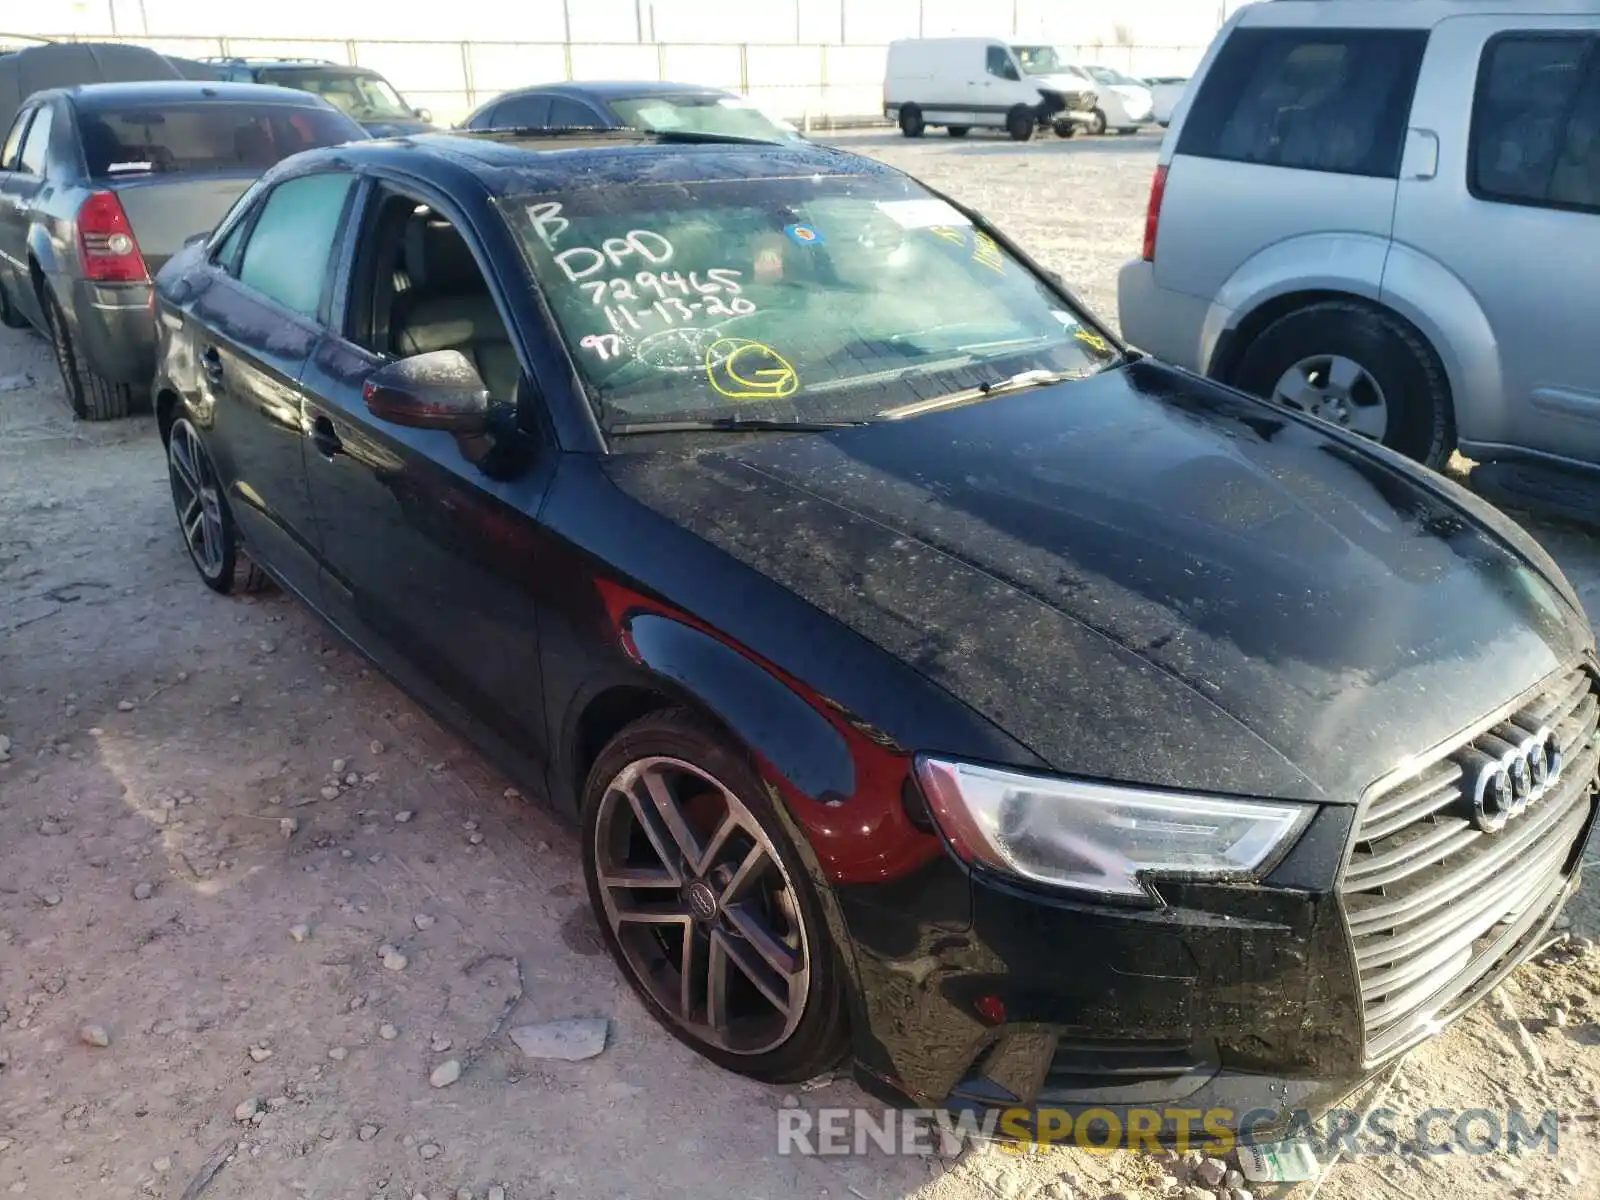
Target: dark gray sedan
<point>101,184</point>
<point>651,107</point>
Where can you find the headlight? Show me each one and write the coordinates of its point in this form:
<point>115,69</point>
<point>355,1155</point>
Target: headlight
<point>1100,838</point>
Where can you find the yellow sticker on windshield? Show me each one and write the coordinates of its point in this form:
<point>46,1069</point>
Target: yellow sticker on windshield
<point>986,253</point>
<point>1092,340</point>
<point>744,370</point>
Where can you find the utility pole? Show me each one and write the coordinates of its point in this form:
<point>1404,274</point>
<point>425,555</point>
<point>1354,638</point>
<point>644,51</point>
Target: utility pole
<point>566,21</point>
<point>638,20</point>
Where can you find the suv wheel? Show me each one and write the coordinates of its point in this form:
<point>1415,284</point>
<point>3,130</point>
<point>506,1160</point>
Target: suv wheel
<point>1020,123</point>
<point>1358,368</point>
<point>911,122</point>
<point>705,904</point>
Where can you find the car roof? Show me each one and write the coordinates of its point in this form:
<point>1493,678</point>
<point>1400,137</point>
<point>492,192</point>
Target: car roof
<point>301,64</point>
<point>178,91</point>
<point>537,162</point>
<point>1391,14</point>
<point>622,89</point>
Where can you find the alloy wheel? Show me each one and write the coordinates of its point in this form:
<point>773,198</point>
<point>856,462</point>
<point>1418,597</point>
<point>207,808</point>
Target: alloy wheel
<point>701,905</point>
<point>196,497</point>
<point>1338,390</point>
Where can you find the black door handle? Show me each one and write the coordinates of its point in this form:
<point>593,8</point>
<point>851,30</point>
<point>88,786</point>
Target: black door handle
<point>325,438</point>
<point>211,364</point>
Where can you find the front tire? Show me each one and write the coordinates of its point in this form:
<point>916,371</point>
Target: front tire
<point>1020,124</point>
<point>203,517</point>
<point>1360,368</point>
<point>705,904</point>
<point>93,397</point>
<point>911,122</point>
<point>1065,129</point>
<point>1098,125</point>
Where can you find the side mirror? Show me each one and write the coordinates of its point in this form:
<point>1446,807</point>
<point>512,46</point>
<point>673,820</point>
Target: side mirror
<point>423,115</point>
<point>437,390</point>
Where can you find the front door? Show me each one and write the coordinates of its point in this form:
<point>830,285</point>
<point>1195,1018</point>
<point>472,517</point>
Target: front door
<point>432,566</point>
<point>261,309</point>
<point>1513,210</point>
<point>24,161</point>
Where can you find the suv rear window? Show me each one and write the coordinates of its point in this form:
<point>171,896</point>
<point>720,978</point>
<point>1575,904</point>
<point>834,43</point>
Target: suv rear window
<point>1315,100</point>
<point>209,136</point>
<point>1536,122</point>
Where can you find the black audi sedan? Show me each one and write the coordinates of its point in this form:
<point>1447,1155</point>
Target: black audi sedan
<point>935,681</point>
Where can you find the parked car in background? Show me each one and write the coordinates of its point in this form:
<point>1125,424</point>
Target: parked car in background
<point>362,94</point>
<point>968,83</point>
<point>65,64</point>
<point>1165,92</point>
<point>101,184</point>
<point>1125,102</point>
<point>1389,216</point>
<point>653,107</point>
<point>887,628</point>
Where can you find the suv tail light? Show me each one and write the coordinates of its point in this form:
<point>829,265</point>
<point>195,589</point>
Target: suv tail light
<point>106,244</point>
<point>1152,215</point>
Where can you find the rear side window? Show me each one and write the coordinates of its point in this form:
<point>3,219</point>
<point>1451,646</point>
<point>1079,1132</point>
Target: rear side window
<point>36,146</point>
<point>1536,122</point>
<point>210,136</point>
<point>522,112</point>
<point>1314,100</point>
<point>569,114</point>
<point>291,244</point>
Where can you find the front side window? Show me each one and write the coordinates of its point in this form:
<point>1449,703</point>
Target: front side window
<point>831,298</point>
<point>1315,100</point>
<point>1536,122</point>
<point>36,146</point>
<point>13,146</point>
<point>291,245</point>
<point>710,112</point>
<point>1000,64</point>
<point>362,97</point>
<point>213,135</point>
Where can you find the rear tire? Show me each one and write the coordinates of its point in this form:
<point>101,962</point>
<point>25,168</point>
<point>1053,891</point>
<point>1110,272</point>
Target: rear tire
<point>1020,124</point>
<point>911,122</point>
<point>1407,374</point>
<point>204,521</point>
<point>10,315</point>
<point>93,397</point>
<point>958,131</point>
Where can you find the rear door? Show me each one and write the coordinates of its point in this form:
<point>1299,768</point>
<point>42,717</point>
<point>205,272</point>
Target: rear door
<point>1512,208</point>
<point>1293,131</point>
<point>255,326</point>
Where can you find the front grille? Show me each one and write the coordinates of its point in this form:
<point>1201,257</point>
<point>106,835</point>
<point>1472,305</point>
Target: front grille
<point>1435,906</point>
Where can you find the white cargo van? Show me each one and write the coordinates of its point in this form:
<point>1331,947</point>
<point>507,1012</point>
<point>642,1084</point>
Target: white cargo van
<point>965,82</point>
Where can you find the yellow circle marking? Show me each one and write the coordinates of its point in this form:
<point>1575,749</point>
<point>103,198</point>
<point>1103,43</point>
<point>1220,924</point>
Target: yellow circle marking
<point>744,370</point>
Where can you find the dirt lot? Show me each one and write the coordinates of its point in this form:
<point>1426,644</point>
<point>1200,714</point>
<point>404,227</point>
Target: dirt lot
<point>214,820</point>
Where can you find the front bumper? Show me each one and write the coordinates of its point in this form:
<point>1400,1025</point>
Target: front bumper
<point>1245,1007</point>
<point>116,328</point>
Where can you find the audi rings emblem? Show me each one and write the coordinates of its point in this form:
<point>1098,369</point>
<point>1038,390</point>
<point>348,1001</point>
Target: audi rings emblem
<point>1518,773</point>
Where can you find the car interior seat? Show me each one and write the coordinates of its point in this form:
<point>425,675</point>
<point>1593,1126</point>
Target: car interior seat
<point>447,305</point>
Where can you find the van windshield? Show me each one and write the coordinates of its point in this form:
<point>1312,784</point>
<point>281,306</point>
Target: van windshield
<point>828,298</point>
<point>1041,60</point>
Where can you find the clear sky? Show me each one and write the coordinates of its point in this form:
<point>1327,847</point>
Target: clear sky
<point>1146,22</point>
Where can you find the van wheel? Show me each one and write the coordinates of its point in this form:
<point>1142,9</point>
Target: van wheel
<point>959,131</point>
<point>1359,368</point>
<point>1098,124</point>
<point>1020,124</point>
<point>911,122</point>
<point>1065,129</point>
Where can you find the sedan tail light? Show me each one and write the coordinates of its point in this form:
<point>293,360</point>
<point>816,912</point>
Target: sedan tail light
<point>1152,215</point>
<point>106,244</point>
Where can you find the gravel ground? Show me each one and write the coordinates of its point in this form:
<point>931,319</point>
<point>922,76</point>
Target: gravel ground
<point>283,898</point>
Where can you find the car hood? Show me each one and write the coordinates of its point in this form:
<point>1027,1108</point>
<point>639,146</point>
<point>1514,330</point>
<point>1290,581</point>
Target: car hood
<point>1146,577</point>
<point>1064,83</point>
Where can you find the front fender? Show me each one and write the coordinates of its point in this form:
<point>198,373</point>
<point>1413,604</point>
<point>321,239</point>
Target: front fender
<point>1351,263</point>
<point>1443,308</point>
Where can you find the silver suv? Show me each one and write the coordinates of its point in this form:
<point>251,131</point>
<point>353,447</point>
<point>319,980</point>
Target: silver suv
<point>1388,215</point>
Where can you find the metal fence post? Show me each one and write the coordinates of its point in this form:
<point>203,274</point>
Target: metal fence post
<point>350,51</point>
<point>566,58</point>
<point>661,60</point>
<point>466,75</point>
<point>744,67</point>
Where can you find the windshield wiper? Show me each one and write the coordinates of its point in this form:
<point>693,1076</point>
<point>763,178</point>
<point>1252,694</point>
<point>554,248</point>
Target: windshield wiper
<point>729,425</point>
<point>1020,382</point>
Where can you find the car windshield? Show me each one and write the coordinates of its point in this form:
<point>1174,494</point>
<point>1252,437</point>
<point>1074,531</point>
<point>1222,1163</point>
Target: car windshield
<point>706,112</point>
<point>1108,75</point>
<point>1041,60</point>
<point>814,298</point>
<point>364,97</point>
<point>213,135</point>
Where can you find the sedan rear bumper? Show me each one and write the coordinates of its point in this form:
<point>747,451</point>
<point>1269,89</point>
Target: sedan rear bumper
<point>115,327</point>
